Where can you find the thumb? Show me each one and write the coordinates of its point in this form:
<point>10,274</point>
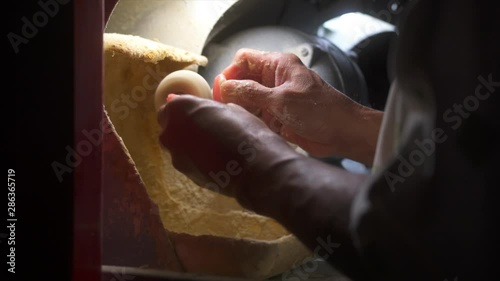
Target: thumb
<point>246,93</point>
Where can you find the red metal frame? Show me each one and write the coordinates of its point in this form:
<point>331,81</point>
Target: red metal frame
<point>89,19</point>
<point>88,29</point>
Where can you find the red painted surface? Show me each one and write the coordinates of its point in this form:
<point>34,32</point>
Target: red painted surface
<point>132,232</point>
<point>88,30</point>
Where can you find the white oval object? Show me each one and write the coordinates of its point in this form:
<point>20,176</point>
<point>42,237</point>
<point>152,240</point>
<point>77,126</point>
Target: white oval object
<point>182,82</point>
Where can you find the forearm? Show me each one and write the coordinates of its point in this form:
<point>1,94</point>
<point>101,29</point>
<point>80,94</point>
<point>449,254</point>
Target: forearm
<point>341,127</point>
<point>312,200</point>
<point>358,140</point>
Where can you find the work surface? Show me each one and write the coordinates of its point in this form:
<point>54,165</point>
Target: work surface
<point>323,272</point>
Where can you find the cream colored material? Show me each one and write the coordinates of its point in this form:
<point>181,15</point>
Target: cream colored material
<point>195,214</point>
<point>147,51</point>
<point>182,81</point>
<point>182,24</point>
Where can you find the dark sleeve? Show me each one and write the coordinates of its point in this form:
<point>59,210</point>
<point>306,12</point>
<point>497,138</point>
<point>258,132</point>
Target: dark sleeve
<point>434,218</point>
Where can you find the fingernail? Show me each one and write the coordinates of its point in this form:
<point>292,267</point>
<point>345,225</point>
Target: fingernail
<point>219,79</point>
<point>170,97</point>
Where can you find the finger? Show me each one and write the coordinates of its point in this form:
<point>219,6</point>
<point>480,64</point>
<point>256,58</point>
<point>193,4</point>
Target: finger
<point>180,101</point>
<point>170,97</point>
<point>246,93</point>
<point>186,166</point>
<point>219,79</point>
<point>188,132</point>
<point>249,64</point>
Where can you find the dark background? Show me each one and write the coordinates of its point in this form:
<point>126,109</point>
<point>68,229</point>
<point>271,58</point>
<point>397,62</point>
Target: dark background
<point>38,127</point>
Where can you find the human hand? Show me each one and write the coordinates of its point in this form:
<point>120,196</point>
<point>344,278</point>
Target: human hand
<point>215,145</point>
<point>297,104</point>
<point>226,149</point>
